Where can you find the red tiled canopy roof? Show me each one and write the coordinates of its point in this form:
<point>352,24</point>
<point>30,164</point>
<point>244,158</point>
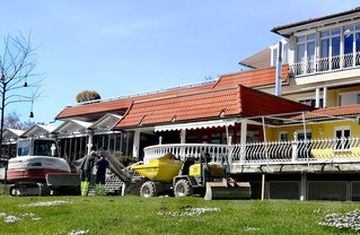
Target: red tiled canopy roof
<point>251,78</point>
<point>205,105</point>
<point>346,110</point>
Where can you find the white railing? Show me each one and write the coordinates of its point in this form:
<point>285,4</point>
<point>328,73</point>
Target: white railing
<point>284,152</point>
<point>218,153</point>
<point>327,64</point>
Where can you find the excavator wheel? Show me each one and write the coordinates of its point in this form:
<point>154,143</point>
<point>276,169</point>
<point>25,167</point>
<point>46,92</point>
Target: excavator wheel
<point>148,189</point>
<point>182,188</point>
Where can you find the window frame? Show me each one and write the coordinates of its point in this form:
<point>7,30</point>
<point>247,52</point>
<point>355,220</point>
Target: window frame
<point>344,145</point>
<point>283,133</point>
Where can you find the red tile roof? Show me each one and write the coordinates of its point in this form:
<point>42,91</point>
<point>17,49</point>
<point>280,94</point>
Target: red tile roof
<point>346,110</point>
<point>206,105</point>
<point>251,78</point>
<point>121,104</point>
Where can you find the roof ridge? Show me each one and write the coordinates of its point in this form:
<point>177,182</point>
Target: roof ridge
<point>125,114</point>
<point>247,71</point>
<point>146,93</point>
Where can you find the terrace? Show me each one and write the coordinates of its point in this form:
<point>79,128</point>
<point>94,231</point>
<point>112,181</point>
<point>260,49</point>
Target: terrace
<point>295,153</point>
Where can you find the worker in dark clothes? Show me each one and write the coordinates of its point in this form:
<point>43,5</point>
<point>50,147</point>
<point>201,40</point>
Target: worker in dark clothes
<point>101,166</point>
<point>86,168</point>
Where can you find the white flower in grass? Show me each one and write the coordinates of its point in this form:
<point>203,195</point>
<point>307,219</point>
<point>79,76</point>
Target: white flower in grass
<point>248,229</point>
<point>78,232</point>
<point>11,219</point>
<point>45,204</point>
<point>349,220</point>
<point>190,212</point>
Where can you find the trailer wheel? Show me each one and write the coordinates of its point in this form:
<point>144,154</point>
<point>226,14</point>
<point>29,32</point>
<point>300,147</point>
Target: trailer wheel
<point>148,189</point>
<point>13,191</point>
<point>182,188</point>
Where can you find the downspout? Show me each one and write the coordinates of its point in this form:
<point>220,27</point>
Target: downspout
<point>278,70</point>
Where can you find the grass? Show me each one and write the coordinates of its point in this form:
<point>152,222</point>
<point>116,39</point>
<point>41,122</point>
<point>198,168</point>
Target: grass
<point>135,215</point>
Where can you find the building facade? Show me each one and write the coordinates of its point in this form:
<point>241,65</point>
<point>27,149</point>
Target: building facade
<point>302,144</point>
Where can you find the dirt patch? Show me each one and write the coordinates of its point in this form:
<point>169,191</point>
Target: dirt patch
<point>4,189</point>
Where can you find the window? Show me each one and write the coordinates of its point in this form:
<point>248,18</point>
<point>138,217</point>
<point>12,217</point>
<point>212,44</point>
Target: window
<point>311,102</point>
<point>283,136</point>
<point>306,53</point>
<point>342,138</point>
<point>274,53</point>
<point>350,98</point>
<point>301,136</point>
<point>329,44</point>
<point>23,148</point>
<point>43,148</point>
<point>306,48</point>
<point>300,52</point>
<point>215,138</point>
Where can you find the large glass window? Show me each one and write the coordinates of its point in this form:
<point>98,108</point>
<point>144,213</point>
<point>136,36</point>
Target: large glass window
<point>348,44</point>
<point>43,148</point>
<point>300,53</point>
<point>306,47</point>
<point>324,48</point>
<point>330,38</point>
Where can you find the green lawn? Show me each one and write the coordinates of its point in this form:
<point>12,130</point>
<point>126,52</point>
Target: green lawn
<point>135,215</point>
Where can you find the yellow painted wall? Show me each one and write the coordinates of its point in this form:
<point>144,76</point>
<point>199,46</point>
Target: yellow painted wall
<point>318,130</point>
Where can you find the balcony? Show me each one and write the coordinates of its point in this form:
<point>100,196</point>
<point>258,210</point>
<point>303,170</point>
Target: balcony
<point>302,152</point>
<point>325,65</point>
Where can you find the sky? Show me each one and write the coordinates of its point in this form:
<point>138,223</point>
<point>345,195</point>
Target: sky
<point>127,47</point>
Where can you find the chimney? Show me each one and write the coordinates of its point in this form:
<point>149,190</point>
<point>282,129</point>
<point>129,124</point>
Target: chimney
<point>278,70</point>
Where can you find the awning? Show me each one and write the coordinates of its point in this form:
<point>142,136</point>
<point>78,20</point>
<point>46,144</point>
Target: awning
<point>197,125</point>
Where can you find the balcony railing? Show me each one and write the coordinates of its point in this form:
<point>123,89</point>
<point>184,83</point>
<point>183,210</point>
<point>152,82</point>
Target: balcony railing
<point>327,64</point>
<point>281,152</point>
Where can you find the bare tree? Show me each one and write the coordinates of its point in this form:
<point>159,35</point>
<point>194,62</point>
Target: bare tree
<point>87,95</point>
<point>12,120</point>
<point>18,82</point>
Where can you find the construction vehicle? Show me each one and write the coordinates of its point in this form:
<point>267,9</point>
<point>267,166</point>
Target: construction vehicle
<point>190,176</point>
<point>37,169</point>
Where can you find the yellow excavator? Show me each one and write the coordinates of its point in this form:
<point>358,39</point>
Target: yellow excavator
<point>193,175</point>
